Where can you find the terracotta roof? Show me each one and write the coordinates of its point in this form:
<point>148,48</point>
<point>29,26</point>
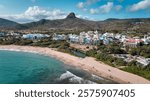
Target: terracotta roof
<point>134,40</point>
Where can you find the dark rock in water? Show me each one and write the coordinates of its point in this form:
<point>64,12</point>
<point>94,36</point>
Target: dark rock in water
<point>71,16</point>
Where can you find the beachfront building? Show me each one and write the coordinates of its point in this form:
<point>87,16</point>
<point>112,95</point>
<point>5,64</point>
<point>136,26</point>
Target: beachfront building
<point>35,36</point>
<point>146,40</point>
<point>109,35</point>
<point>132,42</point>
<point>59,37</point>
<point>125,57</point>
<point>123,38</point>
<point>118,36</point>
<point>90,38</point>
<point>84,38</point>
<point>128,58</point>
<point>1,34</point>
<point>14,34</point>
<point>96,40</point>
<point>73,38</point>
<point>143,61</point>
<point>106,38</point>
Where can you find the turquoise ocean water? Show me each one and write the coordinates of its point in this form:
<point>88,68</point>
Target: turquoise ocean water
<point>31,68</point>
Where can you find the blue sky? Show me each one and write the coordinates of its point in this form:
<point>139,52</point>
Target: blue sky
<point>33,10</point>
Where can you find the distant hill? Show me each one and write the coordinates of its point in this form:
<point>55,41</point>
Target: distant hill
<point>137,24</point>
<point>7,24</point>
<point>71,22</point>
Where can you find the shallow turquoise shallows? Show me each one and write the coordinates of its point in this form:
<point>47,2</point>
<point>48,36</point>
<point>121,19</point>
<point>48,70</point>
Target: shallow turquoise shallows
<point>32,68</point>
<point>22,67</point>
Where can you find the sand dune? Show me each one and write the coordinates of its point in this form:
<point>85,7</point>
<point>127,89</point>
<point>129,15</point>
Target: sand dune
<point>89,64</point>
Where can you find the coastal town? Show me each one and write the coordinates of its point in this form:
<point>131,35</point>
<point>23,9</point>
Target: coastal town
<point>88,40</point>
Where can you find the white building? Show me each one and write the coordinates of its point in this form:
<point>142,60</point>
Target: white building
<point>146,39</point>
<point>35,36</point>
<point>59,37</point>
<point>74,38</point>
<point>143,61</point>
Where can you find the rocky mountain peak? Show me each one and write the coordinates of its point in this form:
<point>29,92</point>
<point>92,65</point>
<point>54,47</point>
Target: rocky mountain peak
<point>71,16</point>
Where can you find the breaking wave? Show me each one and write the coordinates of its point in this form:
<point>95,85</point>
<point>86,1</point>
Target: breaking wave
<point>72,78</point>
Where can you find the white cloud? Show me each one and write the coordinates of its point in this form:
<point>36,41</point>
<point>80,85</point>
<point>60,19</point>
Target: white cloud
<point>144,4</point>
<point>118,7</point>
<point>82,5</point>
<point>85,17</point>
<point>36,13</point>
<point>94,11</point>
<point>102,9</point>
<point>106,8</point>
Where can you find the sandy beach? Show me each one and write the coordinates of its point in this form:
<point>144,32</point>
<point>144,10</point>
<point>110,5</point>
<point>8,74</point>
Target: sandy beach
<point>88,64</point>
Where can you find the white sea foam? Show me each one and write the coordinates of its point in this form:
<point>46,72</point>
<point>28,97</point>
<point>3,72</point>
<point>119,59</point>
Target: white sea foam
<point>17,50</point>
<point>97,77</point>
<point>74,79</point>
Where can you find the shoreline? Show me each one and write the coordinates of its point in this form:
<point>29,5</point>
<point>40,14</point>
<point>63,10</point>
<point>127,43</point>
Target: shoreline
<point>88,64</point>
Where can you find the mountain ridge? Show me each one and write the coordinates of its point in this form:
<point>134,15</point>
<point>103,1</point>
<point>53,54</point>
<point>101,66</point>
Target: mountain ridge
<point>7,23</point>
<point>71,22</point>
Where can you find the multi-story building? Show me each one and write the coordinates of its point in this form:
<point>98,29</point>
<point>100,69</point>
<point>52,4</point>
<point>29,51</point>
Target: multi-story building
<point>59,37</point>
<point>35,36</point>
<point>132,42</point>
